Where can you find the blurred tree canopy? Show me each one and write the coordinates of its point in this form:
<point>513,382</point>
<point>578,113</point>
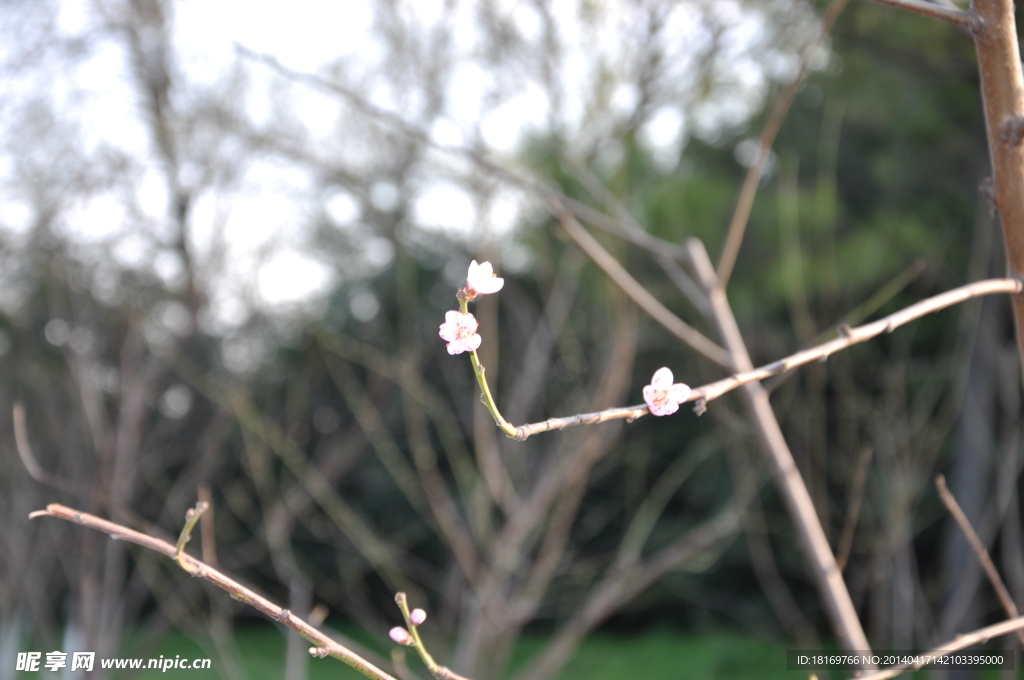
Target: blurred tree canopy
<point>346,454</point>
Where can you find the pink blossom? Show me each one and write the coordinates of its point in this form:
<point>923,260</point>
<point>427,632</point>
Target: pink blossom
<point>459,330</point>
<point>417,616</point>
<point>482,280</point>
<point>662,397</point>
<point>401,636</point>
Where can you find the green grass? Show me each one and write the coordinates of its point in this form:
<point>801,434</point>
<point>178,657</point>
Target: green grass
<point>659,654</point>
<point>665,654</point>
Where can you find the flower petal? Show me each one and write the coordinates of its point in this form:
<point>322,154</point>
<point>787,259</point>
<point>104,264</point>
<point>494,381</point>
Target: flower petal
<point>490,285</point>
<point>459,330</point>
<point>666,409</point>
<point>481,279</point>
<point>662,378</point>
<point>679,392</point>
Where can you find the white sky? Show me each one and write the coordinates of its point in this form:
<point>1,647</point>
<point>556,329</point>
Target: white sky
<point>261,217</point>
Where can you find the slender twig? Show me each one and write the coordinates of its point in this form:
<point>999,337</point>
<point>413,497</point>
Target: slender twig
<point>43,476</point>
<point>629,229</point>
<point>630,413</point>
<point>325,646</point>
<point>884,294</point>
<point>401,667</point>
<point>853,511</point>
<point>481,378</point>
<point>979,549</point>
<point>208,545</point>
<point>191,519</point>
<point>961,642</point>
<point>640,295</point>
<point>852,336</point>
<point>788,481</point>
<point>437,670</point>
<point>957,17</point>
<point>621,584</point>
<point>848,337</point>
<point>741,214</point>
<point>876,301</point>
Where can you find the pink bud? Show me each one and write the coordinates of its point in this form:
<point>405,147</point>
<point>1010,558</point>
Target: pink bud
<point>401,636</point>
<point>417,616</point>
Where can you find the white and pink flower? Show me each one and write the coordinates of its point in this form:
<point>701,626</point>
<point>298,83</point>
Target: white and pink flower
<point>482,280</point>
<point>459,331</point>
<point>417,616</point>
<point>662,396</point>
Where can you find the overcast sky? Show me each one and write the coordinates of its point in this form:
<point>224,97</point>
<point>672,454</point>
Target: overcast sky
<point>263,216</point>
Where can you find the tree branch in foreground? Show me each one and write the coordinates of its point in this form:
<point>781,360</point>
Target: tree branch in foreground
<point>847,337</point>
<point>961,642</point>
<point>325,646</point>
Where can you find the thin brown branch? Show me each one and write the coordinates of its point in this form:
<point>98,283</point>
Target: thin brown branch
<point>630,413</point>
<point>622,584</point>
<point>762,553</point>
<point>377,432</point>
<point>875,301</point>
<point>852,336</point>
<point>961,642</point>
<point>745,202</point>
<point>639,530</point>
<point>788,481</point>
<point>957,17</point>
<point>848,337</point>
<point>325,646</point>
<point>853,511</point>
<point>43,476</point>
<point>979,549</point>
<point>640,295</point>
<point>421,393</point>
<point>209,543</point>
<point>569,469</point>
<point>629,229</point>
<point>382,556</point>
<point>613,225</point>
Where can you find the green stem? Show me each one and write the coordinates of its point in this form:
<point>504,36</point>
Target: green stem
<point>191,518</point>
<point>432,666</point>
<point>481,377</point>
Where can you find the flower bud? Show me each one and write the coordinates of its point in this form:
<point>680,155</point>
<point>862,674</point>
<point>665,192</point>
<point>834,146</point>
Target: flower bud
<point>417,616</point>
<point>401,636</point>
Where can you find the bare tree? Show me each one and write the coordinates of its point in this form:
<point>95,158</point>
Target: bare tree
<point>492,532</point>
